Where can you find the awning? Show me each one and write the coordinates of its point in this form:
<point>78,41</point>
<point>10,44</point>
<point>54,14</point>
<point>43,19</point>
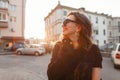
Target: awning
<point>3,24</point>
<point>12,38</point>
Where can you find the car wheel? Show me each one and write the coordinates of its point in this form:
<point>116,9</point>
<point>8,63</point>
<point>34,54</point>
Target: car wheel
<point>37,53</point>
<point>19,52</point>
<point>115,66</point>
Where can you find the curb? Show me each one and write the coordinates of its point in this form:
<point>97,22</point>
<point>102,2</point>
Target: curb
<point>105,54</point>
<point>6,53</point>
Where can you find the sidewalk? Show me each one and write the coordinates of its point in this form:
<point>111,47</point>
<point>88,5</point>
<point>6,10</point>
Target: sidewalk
<point>4,52</point>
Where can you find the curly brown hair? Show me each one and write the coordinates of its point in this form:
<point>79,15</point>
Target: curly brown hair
<point>86,29</point>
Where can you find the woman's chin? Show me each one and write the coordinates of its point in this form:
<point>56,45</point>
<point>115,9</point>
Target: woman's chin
<point>65,33</point>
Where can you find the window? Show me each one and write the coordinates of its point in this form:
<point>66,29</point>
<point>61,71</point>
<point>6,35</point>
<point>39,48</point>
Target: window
<point>97,32</point>
<point>104,32</point>
<point>110,33</point>
<point>0,16</point>
<point>3,16</point>
<point>104,41</point>
<point>97,41</point>
<point>3,4</point>
<point>89,17</point>
<point>64,13</point>
<point>104,21</point>
<point>119,26</point>
<point>12,19</point>
<point>110,23</point>
<point>12,7</point>
<point>96,19</point>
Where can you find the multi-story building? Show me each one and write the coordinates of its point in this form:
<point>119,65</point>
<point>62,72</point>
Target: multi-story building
<point>102,24</point>
<point>12,21</point>
<point>114,30</point>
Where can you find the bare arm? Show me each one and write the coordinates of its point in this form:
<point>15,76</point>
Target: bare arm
<point>96,73</point>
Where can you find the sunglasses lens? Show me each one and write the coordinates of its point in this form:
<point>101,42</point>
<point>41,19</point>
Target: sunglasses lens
<point>66,21</point>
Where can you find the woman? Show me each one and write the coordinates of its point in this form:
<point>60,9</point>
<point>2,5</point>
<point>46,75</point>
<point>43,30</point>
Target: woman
<point>75,57</point>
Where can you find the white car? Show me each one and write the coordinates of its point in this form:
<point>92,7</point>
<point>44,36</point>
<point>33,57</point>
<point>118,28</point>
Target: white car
<point>36,50</point>
<point>115,55</point>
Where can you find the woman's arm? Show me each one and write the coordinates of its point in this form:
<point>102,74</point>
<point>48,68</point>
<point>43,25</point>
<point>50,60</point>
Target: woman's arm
<point>97,63</point>
<point>96,73</point>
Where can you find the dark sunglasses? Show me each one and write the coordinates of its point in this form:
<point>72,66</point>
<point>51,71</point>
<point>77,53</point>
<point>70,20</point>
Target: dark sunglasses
<point>67,21</point>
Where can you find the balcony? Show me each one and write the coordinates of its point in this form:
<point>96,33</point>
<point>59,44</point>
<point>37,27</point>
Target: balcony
<point>3,24</point>
<point>4,5</point>
<point>3,10</point>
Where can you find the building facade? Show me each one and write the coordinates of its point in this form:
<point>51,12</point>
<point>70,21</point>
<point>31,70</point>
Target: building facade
<point>106,29</point>
<point>12,21</point>
<point>114,30</point>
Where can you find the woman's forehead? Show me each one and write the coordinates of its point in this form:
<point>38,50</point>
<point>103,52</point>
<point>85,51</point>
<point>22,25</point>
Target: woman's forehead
<point>71,17</point>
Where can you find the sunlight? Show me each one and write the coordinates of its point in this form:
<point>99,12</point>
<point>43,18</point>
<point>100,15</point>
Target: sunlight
<point>34,23</point>
<point>35,35</point>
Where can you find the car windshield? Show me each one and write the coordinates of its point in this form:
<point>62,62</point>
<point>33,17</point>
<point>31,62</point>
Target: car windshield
<point>19,46</point>
<point>36,46</point>
<point>114,47</point>
<point>119,48</point>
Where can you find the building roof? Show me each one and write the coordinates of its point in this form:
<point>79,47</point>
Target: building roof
<point>12,38</point>
<point>83,9</point>
<point>58,7</point>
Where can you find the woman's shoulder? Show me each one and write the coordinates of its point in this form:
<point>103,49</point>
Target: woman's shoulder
<point>94,46</point>
<point>57,43</point>
<point>95,50</point>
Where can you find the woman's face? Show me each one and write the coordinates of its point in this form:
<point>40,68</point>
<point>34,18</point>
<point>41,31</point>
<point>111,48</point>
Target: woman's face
<point>70,26</point>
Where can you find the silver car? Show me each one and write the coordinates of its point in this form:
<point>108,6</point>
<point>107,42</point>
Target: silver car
<point>36,50</point>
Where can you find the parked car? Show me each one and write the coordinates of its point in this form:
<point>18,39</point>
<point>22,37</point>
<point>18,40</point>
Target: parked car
<point>13,47</point>
<point>18,45</point>
<point>36,50</point>
<point>107,47</point>
<point>115,55</point>
<point>47,47</point>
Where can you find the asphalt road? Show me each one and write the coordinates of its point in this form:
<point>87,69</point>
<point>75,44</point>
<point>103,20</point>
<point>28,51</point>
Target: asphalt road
<point>108,71</point>
<point>26,67</point>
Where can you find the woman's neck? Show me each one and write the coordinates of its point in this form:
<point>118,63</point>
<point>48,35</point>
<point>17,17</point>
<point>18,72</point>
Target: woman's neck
<point>74,40</point>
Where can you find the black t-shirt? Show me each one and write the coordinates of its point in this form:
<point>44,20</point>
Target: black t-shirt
<point>93,56</point>
<point>88,61</point>
<point>67,59</point>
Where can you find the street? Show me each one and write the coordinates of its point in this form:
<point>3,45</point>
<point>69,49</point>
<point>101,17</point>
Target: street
<point>108,71</point>
<point>20,67</point>
<point>26,67</point>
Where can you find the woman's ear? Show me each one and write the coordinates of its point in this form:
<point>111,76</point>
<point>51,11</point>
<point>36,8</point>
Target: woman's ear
<point>78,28</point>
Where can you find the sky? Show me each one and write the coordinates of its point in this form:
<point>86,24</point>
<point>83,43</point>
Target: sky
<point>37,10</point>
